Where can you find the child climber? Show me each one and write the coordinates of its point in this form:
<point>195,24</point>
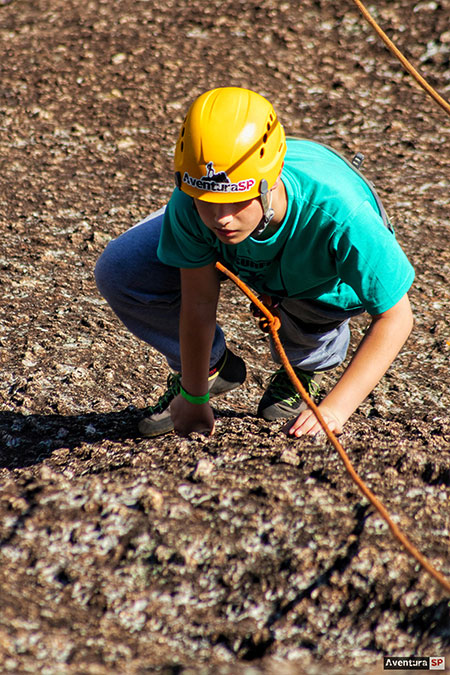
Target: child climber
<point>297,223</point>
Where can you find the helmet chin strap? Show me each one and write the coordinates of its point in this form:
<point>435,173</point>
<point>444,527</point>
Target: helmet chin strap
<point>266,201</point>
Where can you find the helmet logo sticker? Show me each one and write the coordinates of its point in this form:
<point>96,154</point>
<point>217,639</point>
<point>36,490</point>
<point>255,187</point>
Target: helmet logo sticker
<point>220,177</point>
<point>217,182</point>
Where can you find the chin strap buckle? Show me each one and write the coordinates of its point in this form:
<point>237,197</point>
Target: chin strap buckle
<point>266,201</point>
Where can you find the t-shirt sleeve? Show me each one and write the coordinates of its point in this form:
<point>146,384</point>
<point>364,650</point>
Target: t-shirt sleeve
<point>370,260</point>
<point>184,240</point>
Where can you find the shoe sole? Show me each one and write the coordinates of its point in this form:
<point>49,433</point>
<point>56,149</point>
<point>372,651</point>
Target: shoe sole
<point>145,428</point>
<point>274,413</point>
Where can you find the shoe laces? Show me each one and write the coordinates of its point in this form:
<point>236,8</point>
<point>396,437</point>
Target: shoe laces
<point>173,389</point>
<point>283,389</point>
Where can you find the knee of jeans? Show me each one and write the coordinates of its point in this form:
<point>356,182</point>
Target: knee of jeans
<point>109,273</point>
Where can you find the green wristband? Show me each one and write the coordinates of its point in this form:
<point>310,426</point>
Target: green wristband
<point>198,400</point>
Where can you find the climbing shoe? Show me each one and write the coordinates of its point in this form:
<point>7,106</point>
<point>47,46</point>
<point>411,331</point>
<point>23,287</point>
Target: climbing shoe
<point>281,400</point>
<point>228,373</point>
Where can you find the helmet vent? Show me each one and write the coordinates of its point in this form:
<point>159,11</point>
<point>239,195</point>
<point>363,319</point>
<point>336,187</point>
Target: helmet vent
<point>182,146</point>
<point>265,138</point>
<point>261,152</point>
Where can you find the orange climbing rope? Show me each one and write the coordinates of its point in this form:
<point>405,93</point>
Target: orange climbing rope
<point>273,325</point>
<point>404,61</point>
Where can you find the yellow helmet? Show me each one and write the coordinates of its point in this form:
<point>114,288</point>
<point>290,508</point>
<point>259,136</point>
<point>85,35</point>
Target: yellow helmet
<point>231,147</point>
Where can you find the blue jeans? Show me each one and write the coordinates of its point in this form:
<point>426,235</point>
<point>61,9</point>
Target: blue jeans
<point>145,294</point>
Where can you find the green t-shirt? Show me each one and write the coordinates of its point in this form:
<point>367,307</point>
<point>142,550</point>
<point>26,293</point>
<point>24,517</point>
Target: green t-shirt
<point>332,245</point>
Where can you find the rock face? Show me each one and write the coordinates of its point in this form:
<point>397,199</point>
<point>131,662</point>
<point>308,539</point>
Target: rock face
<point>246,552</point>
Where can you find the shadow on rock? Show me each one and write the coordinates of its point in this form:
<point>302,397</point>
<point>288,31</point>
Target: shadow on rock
<point>27,439</point>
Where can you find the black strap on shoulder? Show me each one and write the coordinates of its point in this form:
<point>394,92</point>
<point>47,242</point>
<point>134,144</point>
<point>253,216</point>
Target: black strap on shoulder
<point>355,164</point>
